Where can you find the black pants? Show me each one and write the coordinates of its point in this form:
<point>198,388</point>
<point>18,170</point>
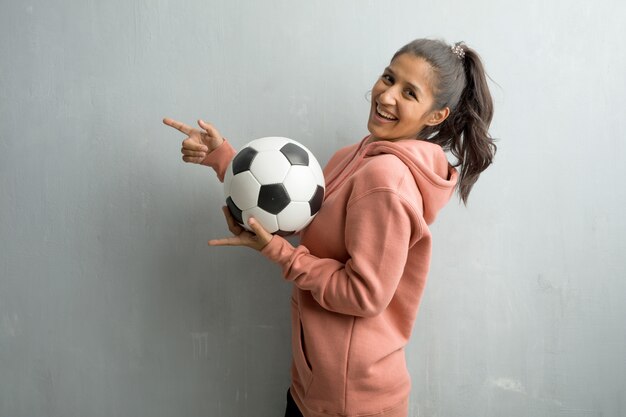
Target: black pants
<point>292,408</point>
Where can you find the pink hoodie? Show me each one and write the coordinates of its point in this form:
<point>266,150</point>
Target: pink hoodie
<point>359,275</point>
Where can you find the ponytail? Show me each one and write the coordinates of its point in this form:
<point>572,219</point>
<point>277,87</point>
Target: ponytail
<point>471,143</point>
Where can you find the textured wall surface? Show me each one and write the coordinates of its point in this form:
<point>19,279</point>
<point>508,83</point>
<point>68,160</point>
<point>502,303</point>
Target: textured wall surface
<point>112,304</point>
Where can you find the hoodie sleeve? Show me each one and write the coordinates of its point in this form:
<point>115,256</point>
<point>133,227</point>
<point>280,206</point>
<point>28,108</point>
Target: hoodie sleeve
<point>219,158</point>
<point>380,228</point>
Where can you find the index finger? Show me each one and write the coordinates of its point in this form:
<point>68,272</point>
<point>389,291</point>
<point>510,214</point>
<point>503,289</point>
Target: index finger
<point>187,130</point>
<point>229,241</point>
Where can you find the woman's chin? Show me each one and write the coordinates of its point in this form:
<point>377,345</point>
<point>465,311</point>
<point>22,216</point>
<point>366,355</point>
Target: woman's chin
<point>376,132</point>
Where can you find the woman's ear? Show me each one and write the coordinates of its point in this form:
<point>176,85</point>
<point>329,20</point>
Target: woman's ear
<point>438,116</point>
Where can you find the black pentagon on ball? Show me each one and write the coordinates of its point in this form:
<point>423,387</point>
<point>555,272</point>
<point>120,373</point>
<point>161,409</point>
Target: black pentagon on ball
<point>234,210</point>
<point>295,154</point>
<point>243,160</point>
<point>316,201</point>
<point>273,198</point>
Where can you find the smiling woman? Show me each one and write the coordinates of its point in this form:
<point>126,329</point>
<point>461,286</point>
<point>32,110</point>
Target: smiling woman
<point>360,269</point>
<point>400,108</point>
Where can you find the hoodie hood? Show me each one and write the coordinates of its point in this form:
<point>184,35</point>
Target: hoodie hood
<point>433,174</point>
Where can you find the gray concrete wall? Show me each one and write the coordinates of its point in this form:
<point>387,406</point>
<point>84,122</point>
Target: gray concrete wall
<point>111,303</point>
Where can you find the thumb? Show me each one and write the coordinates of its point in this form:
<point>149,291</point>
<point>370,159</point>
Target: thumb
<point>263,235</point>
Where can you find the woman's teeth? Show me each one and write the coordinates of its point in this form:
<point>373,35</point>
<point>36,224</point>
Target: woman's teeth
<point>385,115</point>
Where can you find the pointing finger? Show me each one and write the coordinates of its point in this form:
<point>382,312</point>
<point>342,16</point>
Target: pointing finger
<point>229,241</point>
<point>188,130</point>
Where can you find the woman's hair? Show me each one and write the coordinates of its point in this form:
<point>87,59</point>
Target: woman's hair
<point>458,82</point>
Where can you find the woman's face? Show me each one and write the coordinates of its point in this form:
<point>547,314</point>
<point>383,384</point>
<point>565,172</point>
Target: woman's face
<point>401,100</point>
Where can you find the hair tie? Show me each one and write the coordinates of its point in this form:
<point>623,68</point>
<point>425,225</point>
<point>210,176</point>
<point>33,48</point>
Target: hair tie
<point>458,50</point>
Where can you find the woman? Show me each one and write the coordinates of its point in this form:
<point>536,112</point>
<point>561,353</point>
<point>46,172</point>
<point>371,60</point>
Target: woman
<point>361,266</point>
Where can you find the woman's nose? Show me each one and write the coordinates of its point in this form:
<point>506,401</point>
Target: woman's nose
<point>388,96</point>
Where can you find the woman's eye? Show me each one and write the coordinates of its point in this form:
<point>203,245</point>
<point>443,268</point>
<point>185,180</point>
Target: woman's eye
<point>411,93</point>
<point>387,78</point>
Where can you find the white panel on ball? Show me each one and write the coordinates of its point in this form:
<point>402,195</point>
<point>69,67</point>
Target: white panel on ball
<point>244,190</point>
<point>268,220</point>
<point>294,217</point>
<point>270,167</point>
<point>269,143</point>
<point>300,183</point>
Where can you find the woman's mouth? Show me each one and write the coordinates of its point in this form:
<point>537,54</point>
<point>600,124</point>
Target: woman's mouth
<point>384,116</point>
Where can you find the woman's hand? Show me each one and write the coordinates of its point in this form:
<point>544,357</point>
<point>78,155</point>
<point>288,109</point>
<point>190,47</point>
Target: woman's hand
<point>198,143</point>
<point>257,240</point>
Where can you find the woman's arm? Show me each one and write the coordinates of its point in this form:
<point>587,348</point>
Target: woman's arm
<point>380,229</point>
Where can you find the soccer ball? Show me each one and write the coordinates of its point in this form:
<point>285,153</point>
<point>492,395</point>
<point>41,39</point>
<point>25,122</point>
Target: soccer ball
<point>277,181</point>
